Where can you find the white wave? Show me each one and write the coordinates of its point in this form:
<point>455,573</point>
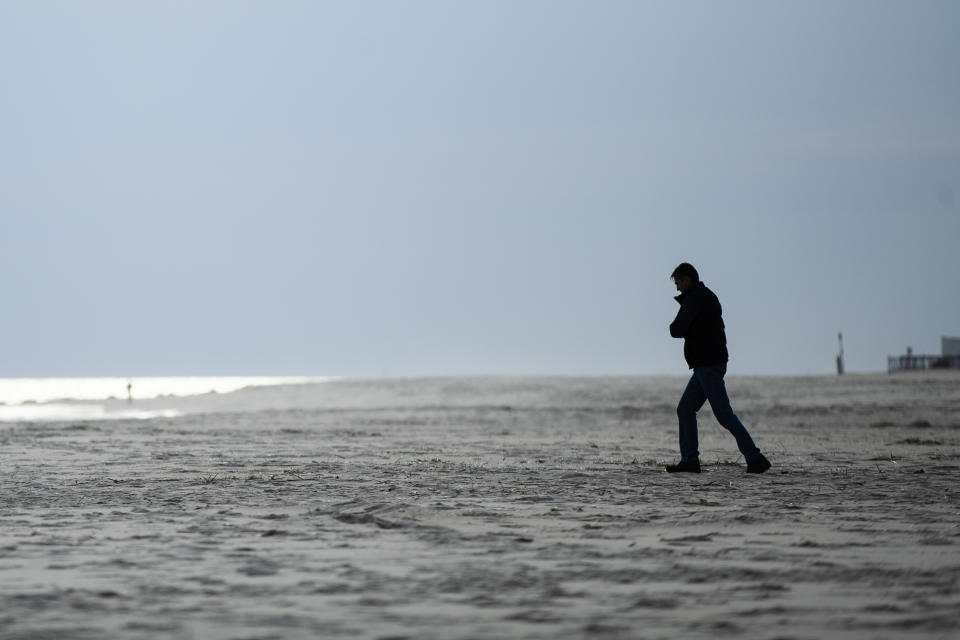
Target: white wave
<point>60,411</point>
<point>18,391</point>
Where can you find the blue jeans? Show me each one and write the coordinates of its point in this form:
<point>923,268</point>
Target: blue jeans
<point>707,384</point>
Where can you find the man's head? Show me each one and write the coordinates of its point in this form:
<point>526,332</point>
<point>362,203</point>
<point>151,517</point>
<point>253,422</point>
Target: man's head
<point>685,276</point>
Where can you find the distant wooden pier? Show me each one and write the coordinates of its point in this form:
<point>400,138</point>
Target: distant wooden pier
<point>948,359</point>
<point>912,362</point>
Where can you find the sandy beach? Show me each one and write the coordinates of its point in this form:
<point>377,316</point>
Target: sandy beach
<point>488,508</point>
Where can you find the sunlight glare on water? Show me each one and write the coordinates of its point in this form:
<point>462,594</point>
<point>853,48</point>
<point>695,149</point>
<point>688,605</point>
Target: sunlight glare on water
<point>21,390</point>
<point>70,398</point>
<point>62,411</point>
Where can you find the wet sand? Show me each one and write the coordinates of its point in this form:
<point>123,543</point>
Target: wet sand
<point>489,508</point>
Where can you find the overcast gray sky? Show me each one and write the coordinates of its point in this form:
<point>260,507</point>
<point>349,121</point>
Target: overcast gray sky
<point>409,187</point>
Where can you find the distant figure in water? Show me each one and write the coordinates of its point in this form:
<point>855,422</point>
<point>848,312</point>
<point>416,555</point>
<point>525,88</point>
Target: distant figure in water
<point>129,391</point>
<point>700,324</point>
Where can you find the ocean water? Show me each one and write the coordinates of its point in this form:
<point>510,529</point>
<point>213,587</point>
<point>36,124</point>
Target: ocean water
<point>51,399</point>
<point>480,508</point>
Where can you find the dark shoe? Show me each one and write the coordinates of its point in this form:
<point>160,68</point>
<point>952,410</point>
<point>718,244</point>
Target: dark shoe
<point>684,466</point>
<point>759,465</point>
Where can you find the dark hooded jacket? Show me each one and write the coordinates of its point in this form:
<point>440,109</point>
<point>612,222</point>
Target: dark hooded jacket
<point>700,324</point>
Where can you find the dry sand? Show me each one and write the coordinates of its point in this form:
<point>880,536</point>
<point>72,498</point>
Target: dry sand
<point>489,508</point>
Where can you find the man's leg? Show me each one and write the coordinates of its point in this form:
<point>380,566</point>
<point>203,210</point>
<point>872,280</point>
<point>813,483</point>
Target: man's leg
<point>711,380</point>
<point>690,402</point>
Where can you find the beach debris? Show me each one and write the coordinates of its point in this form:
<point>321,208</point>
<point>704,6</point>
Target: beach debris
<point>359,512</point>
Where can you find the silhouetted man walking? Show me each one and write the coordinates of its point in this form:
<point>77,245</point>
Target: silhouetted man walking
<point>700,324</point>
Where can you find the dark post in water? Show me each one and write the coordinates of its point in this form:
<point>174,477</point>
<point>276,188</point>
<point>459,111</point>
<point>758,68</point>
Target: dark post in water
<point>840,355</point>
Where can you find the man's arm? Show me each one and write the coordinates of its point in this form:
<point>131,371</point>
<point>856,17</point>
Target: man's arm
<point>688,311</point>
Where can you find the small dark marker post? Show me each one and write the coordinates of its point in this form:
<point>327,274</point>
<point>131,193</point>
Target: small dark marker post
<point>840,355</point>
